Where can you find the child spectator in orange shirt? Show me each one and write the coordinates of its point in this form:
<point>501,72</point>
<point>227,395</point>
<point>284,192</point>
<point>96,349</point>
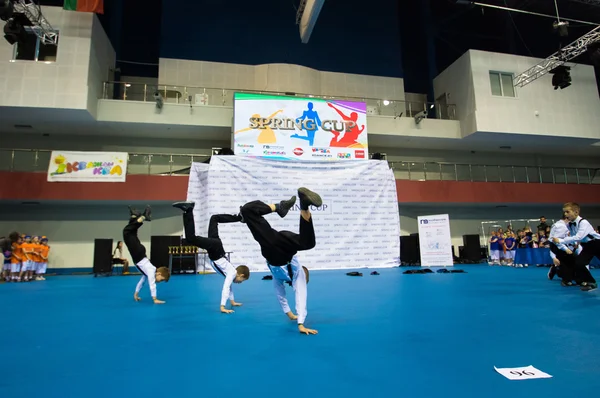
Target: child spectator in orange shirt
<point>44,252</point>
<point>16,259</point>
<point>27,263</point>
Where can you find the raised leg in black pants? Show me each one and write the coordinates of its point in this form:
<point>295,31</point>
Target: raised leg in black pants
<point>130,237</point>
<point>277,247</point>
<point>212,244</point>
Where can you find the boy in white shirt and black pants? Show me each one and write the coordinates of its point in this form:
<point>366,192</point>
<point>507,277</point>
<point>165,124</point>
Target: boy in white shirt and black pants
<point>562,255</point>
<point>214,247</point>
<point>279,248</point>
<point>138,254</point>
<point>583,233</point>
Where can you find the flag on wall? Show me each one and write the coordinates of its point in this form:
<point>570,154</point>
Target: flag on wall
<point>96,6</point>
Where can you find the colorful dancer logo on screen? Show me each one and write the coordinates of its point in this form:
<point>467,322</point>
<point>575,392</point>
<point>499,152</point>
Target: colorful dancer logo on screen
<point>292,122</point>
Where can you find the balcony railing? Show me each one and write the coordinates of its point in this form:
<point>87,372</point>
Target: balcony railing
<point>224,97</point>
<point>436,171</point>
<point>178,164</point>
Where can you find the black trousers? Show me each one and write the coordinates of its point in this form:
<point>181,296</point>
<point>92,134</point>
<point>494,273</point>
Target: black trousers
<point>589,250</point>
<point>566,270</point>
<point>130,237</point>
<point>212,244</point>
<point>277,247</point>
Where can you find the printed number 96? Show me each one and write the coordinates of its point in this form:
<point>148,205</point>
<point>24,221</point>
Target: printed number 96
<point>523,373</point>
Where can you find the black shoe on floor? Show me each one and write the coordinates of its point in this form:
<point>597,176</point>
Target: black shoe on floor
<point>552,272</point>
<point>308,198</point>
<point>185,206</point>
<point>148,214</point>
<point>284,206</point>
<point>588,286</point>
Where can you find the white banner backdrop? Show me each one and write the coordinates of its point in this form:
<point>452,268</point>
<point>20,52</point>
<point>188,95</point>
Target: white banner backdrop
<point>69,166</point>
<point>357,226</point>
<point>198,189</point>
<point>435,241</point>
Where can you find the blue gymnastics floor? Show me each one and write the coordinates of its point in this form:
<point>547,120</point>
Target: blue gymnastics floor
<point>433,335</point>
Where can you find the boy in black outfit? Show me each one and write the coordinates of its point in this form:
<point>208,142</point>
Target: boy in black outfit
<point>214,247</point>
<point>279,248</point>
<point>138,254</point>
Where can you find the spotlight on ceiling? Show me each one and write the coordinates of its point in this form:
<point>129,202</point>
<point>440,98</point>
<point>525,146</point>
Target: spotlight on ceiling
<point>561,77</point>
<point>562,27</point>
<point>6,10</point>
<point>593,51</point>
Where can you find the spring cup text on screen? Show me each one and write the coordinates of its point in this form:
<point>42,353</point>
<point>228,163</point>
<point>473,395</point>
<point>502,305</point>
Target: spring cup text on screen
<point>306,124</point>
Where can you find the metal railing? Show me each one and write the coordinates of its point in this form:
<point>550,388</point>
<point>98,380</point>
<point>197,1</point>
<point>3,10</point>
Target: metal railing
<point>224,97</point>
<point>437,171</point>
<point>37,160</point>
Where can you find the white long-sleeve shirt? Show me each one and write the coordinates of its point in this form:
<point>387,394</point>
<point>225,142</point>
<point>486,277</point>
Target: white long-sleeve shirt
<point>560,230</point>
<point>280,276</point>
<point>149,271</point>
<point>224,267</point>
<point>581,232</point>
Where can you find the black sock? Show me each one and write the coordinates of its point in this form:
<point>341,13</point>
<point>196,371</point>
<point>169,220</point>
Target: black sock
<point>303,206</point>
<point>277,206</point>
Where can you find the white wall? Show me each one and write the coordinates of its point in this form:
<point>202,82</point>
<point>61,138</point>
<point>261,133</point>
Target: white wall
<point>174,114</point>
<point>101,61</point>
<point>61,84</point>
<point>72,228</point>
<point>222,116</point>
<point>275,78</point>
<point>457,83</point>
<point>572,112</point>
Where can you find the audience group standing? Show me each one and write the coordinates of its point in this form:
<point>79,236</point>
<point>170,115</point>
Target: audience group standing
<point>25,257</point>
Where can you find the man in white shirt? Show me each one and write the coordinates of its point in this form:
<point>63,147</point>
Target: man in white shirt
<point>214,247</point>
<point>279,248</point>
<point>562,255</point>
<point>138,254</point>
<point>581,232</point>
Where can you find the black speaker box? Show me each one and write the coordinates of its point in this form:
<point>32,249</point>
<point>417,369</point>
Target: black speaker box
<point>409,249</point>
<point>102,256</point>
<point>472,248</point>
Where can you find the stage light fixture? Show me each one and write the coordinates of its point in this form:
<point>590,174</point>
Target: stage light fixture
<point>561,77</point>
<point>562,27</point>
<point>13,31</point>
<point>6,10</point>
